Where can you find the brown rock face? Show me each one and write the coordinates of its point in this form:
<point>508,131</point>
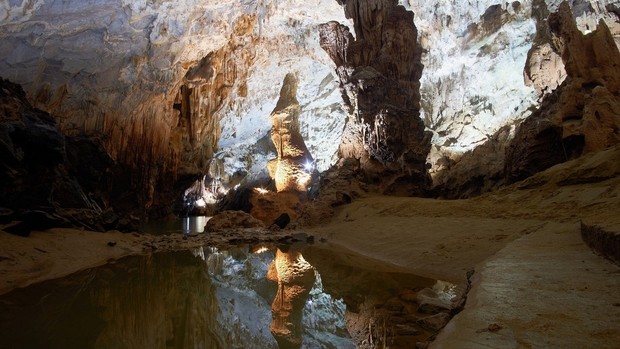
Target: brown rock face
<point>292,168</point>
<point>544,68</point>
<point>582,114</point>
<point>379,76</point>
<point>477,171</point>
<point>67,180</point>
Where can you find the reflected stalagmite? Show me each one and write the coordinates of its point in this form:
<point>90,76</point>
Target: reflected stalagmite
<point>295,277</point>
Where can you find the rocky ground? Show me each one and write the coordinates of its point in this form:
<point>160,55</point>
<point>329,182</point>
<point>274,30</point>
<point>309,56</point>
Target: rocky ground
<point>535,282</point>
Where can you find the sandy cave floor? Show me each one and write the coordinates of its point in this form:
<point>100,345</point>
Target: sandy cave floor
<point>535,284</point>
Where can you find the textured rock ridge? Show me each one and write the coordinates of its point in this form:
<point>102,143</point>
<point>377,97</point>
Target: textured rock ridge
<point>207,87</point>
<point>379,75</point>
<point>548,141</point>
<point>582,114</point>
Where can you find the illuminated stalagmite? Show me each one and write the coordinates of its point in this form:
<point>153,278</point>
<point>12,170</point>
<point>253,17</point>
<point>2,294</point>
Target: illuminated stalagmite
<point>292,168</point>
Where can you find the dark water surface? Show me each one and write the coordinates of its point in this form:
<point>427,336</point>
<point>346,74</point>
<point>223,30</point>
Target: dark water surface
<point>247,297</point>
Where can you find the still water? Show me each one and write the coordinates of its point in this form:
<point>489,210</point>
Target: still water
<point>246,297</point>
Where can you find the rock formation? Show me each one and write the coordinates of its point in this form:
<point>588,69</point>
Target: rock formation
<point>169,85</point>
<point>544,68</point>
<point>582,114</point>
<point>379,74</point>
<point>543,139</point>
<point>228,220</point>
<point>292,169</point>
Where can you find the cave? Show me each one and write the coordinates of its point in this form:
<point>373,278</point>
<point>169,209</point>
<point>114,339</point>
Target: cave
<point>473,146</point>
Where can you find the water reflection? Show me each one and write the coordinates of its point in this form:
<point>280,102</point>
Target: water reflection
<point>194,224</point>
<point>248,297</point>
<point>295,278</point>
<point>186,225</point>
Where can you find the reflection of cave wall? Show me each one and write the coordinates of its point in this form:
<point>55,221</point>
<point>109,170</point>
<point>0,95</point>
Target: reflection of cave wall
<point>295,278</point>
<point>384,307</point>
<point>161,301</point>
<point>224,299</point>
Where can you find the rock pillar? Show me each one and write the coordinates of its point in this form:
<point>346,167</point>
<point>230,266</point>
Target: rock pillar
<point>379,74</point>
<point>292,169</point>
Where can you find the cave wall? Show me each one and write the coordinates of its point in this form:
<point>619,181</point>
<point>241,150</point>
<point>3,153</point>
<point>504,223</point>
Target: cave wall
<point>165,85</point>
<point>169,85</point>
<point>474,57</point>
<point>582,114</point>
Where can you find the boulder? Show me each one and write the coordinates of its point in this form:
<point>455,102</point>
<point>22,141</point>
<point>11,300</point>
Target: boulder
<point>228,220</point>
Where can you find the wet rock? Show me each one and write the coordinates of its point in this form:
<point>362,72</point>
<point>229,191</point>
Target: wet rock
<point>35,221</point>
<point>109,219</point>
<point>423,345</point>
<point>6,215</point>
<point>603,241</point>
<point>231,220</point>
<point>269,206</point>
<point>127,224</point>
